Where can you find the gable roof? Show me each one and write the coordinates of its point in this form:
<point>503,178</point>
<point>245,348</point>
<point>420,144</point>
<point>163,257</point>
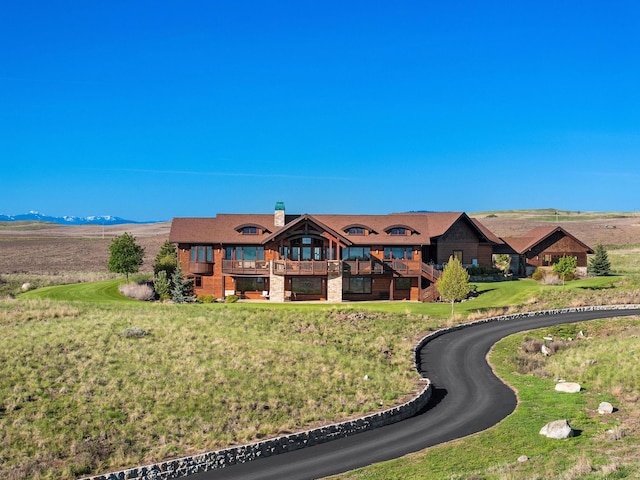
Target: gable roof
<point>533,237</point>
<point>425,227</point>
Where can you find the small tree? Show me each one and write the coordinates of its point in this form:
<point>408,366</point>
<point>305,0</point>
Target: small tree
<point>453,285</point>
<point>126,255</point>
<point>166,259</point>
<point>182,288</point>
<point>502,261</point>
<point>599,264</point>
<point>162,285</point>
<point>565,267</point>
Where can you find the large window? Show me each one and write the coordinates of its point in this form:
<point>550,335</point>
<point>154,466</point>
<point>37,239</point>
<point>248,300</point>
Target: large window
<point>356,285</point>
<point>306,285</point>
<point>403,283</point>
<point>398,253</point>
<point>356,253</point>
<point>202,253</point>
<point>250,284</point>
<point>244,253</point>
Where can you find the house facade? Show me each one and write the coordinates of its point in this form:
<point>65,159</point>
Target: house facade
<point>543,247</point>
<point>334,258</point>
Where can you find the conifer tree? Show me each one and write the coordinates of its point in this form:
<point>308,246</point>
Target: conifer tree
<point>182,288</point>
<point>599,264</point>
<point>166,259</point>
<point>453,285</point>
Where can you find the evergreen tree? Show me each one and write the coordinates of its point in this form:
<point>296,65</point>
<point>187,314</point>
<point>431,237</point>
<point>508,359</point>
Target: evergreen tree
<point>126,256</point>
<point>182,288</point>
<point>166,259</point>
<point>453,285</point>
<point>599,264</point>
<point>565,267</point>
<point>162,285</point>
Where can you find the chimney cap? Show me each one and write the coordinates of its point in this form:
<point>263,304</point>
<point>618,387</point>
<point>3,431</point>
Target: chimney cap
<point>279,205</point>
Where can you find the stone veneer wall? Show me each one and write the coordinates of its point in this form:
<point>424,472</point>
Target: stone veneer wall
<point>276,286</point>
<point>334,288</point>
<point>221,458</point>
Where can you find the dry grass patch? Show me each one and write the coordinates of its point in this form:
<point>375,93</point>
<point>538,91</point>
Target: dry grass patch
<point>82,392</point>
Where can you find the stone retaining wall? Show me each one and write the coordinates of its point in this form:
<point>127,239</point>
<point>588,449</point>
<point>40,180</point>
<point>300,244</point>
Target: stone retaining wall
<point>245,453</point>
<point>203,462</point>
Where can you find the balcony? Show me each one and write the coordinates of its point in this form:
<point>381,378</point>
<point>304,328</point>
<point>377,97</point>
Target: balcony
<point>305,267</point>
<point>246,267</point>
<point>201,268</point>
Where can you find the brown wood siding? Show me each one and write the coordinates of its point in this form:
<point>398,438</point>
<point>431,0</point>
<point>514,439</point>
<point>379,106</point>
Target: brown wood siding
<point>556,245</point>
<point>485,255</point>
<point>459,237</point>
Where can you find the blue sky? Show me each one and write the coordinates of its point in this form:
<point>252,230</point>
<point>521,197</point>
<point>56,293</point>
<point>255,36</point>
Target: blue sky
<point>150,110</point>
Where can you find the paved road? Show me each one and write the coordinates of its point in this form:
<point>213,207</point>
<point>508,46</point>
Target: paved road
<point>468,398</point>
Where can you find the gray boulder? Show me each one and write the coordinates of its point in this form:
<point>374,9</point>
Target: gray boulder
<point>557,429</point>
<point>568,387</point>
<point>605,408</point>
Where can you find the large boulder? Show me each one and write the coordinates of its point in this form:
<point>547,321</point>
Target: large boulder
<point>557,429</point>
<point>568,387</point>
<point>605,408</point>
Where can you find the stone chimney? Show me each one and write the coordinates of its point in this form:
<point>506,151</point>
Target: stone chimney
<point>278,216</point>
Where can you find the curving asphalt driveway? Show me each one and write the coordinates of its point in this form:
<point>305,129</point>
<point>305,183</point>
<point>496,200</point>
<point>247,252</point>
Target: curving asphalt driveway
<point>468,398</point>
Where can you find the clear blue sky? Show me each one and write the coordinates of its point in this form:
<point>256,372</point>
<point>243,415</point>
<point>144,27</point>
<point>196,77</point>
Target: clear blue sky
<point>155,109</point>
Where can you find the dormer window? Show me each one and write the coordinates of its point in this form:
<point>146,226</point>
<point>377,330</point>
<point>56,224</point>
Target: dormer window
<point>357,229</point>
<point>400,230</point>
<point>251,229</point>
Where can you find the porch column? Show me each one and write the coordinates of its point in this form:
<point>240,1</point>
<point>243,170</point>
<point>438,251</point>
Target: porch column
<point>276,285</point>
<point>334,284</point>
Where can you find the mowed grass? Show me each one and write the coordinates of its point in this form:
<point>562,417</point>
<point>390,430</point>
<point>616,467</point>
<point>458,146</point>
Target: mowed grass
<point>605,364</point>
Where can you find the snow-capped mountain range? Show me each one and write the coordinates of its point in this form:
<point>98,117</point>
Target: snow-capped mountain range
<point>67,220</point>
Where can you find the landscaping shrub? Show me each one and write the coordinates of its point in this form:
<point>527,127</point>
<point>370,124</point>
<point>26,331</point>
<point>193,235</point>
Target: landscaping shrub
<point>162,285</point>
<point>138,291</point>
<point>538,274</point>
<point>231,299</point>
<point>550,279</point>
<point>532,346</point>
<point>206,299</point>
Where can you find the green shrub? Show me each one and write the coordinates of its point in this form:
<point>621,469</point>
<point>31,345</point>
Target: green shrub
<point>231,299</point>
<point>538,274</point>
<point>206,299</point>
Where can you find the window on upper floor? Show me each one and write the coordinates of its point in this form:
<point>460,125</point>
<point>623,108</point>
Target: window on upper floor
<point>249,230</point>
<point>244,253</point>
<point>355,231</point>
<point>202,253</point>
<point>356,253</point>
<point>398,253</point>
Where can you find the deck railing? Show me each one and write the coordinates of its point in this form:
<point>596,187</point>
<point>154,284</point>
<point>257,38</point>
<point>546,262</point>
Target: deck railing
<point>246,267</point>
<point>303,267</point>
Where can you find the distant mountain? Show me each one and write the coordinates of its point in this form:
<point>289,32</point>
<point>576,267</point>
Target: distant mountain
<point>67,220</point>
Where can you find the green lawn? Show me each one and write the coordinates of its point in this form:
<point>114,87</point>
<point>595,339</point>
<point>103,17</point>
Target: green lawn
<point>606,447</point>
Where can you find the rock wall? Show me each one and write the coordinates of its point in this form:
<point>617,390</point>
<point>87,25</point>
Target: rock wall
<point>245,453</point>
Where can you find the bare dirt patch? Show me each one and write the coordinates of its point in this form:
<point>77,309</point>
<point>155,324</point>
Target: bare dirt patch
<point>609,231</point>
<point>52,249</point>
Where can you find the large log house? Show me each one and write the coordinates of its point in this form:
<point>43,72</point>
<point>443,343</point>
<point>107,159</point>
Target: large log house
<point>284,257</point>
